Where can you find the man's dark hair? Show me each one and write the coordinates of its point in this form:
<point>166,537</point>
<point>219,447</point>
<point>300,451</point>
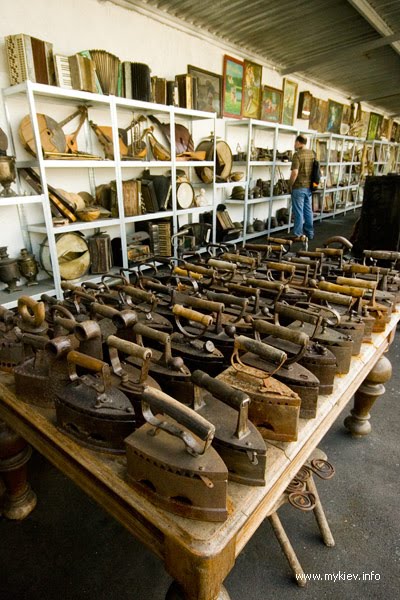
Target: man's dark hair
<point>301,139</point>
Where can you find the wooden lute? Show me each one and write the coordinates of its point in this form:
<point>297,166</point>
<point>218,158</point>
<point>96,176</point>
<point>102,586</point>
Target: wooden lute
<point>52,137</point>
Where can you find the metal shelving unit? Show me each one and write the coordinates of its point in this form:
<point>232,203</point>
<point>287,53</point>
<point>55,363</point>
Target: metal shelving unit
<point>34,98</point>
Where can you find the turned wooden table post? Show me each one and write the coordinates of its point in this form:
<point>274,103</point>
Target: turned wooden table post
<point>18,500</point>
<point>365,397</point>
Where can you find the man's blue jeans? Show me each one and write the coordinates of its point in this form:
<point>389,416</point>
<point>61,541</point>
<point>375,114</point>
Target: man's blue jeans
<point>302,212</point>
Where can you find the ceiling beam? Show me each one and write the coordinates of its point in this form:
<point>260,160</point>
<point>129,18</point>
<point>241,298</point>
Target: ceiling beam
<point>378,95</point>
<point>374,19</point>
<point>341,53</point>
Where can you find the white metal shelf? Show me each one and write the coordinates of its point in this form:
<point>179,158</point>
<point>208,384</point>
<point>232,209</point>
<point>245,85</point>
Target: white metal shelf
<point>45,286</point>
<point>144,164</point>
<point>150,216</point>
<point>14,200</point>
<point>77,226</point>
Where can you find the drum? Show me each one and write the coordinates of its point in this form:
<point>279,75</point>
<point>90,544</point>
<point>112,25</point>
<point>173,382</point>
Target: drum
<point>72,252</point>
<point>184,195</point>
<point>223,160</point>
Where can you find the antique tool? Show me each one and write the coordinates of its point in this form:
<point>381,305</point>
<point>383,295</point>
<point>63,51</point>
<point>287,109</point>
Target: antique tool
<point>11,349</point>
<point>213,328</point>
<point>32,375</point>
<point>9,272</point>
<point>381,310</point>
<point>100,252</point>
<point>174,465</point>
<point>53,139</point>
<point>317,359</point>
<point>351,322</point>
<point>291,373</point>
<point>31,316</point>
<point>274,407</point>
<point>144,303</point>
<point>236,439</point>
<point>90,410</point>
<point>128,377</point>
<point>170,372</point>
<point>196,352</point>
<point>340,344</point>
<point>7,175</point>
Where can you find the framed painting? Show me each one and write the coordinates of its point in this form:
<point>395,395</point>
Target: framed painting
<point>346,116</point>
<point>207,89</point>
<point>334,120</point>
<point>271,104</point>
<point>289,101</point>
<point>318,114</point>
<point>251,90</point>
<point>232,95</point>
<point>304,108</point>
<point>393,133</point>
<point>374,126</point>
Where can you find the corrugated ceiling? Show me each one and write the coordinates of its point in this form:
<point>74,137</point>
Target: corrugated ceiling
<point>335,42</point>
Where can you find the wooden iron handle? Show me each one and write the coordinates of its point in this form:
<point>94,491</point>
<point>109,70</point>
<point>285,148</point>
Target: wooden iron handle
<point>332,297</point>
<point>296,313</point>
<point>358,283</point>
<point>31,311</point>
<point>221,390</point>
<point>152,334</point>
<point>227,299</point>
<point>348,290</point>
<point>158,401</point>
<point>276,266</point>
<point>262,350</point>
<point>222,265</point>
<point>129,348</point>
<point>192,315</point>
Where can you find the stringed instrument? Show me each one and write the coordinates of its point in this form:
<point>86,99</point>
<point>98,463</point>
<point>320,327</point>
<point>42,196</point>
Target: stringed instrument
<point>136,150</point>
<point>52,137</point>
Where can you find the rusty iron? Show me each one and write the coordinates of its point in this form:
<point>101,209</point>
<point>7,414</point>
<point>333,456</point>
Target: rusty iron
<point>169,371</point>
<point>297,377</point>
<point>90,410</point>
<point>274,407</point>
<point>236,439</point>
<point>131,375</point>
<point>170,460</point>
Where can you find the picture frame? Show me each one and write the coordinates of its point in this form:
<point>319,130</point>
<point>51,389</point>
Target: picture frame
<point>304,107</point>
<point>289,101</point>
<point>252,76</point>
<point>318,114</point>
<point>232,88</point>
<point>374,126</point>
<point>393,133</point>
<point>334,119</point>
<point>207,90</point>
<point>271,104</point>
<point>346,116</point>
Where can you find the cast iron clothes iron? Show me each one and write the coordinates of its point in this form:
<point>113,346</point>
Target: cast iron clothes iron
<point>90,410</point>
<point>274,407</point>
<point>317,358</point>
<point>170,372</point>
<point>213,330</point>
<point>340,344</point>
<point>170,460</point>
<point>196,352</point>
<point>291,373</point>
<point>236,439</point>
<point>128,377</point>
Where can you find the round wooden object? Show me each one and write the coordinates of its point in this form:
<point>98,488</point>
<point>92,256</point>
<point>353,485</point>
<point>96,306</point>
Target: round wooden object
<point>52,136</point>
<point>73,256</point>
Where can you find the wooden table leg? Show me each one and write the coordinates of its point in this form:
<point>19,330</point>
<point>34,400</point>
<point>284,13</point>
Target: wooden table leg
<point>287,549</point>
<point>197,576</point>
<point>369,391</point>
<point>319,514</point>
<point>19,500</point>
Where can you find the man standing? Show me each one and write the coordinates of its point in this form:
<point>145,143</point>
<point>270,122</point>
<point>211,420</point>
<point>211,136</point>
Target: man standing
<point>300,185</point>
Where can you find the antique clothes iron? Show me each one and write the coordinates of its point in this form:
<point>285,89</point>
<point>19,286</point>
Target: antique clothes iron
<point>170,460</point>
<point>291,373</point>
<point>317,359</point>
<point>274,407</point>
<point>90,410</point>
<point>236,439</point>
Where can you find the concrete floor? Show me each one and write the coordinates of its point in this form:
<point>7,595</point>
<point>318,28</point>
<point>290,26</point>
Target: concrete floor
<point>70,549</point>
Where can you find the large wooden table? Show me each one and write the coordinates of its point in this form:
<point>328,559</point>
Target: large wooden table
<point>198,555</point>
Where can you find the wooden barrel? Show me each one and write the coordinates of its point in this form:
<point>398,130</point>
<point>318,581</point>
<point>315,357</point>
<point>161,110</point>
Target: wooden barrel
<point>73,255</point>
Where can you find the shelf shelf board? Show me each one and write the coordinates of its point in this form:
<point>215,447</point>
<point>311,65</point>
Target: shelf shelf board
<point>14,200</point>
<point>229,184</point>
<point>261,200</point>
<point>52,92</point>
<point>195,210</point>
<point>149,216</point>
<point>45,286</point>
<point>77,226</point>
<point>146,163</point>
<point>281,197</point>
<point>261,163</point>
<point>194,163</point>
